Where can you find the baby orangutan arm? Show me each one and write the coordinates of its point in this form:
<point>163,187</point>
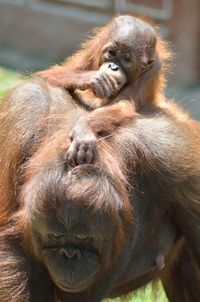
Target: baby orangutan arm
<point>104,83</point>
<point>85,132</point>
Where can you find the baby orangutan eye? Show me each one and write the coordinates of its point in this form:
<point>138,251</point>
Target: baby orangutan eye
<point>126,59</point>
<point>112,52</point>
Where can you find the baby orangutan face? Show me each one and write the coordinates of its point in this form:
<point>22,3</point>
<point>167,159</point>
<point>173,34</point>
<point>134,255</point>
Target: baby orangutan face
<point>131,45</point>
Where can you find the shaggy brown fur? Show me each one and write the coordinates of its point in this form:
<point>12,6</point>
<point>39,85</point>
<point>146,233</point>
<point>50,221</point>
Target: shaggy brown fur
<point>146,180</point>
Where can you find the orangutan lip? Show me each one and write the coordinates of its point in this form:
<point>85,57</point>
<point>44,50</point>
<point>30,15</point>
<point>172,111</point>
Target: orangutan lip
<point>63,286</point>
<point>66,288</point>
<point>70,289</point>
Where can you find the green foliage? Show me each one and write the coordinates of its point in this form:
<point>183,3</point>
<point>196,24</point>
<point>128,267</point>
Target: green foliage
<point>8,79</point>
<point>150,293</point>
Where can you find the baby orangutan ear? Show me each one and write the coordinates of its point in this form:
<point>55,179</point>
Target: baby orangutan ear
<point>147,63</point>
<point>150,67</point>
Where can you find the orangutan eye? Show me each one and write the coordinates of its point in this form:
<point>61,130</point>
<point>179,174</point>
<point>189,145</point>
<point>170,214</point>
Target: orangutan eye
<point>56,236</point>
<point>112,52</point>
<point>126,59</point>
<point>82,237</point>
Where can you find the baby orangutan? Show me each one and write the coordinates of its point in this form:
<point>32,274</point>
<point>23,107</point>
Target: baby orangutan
<point>123,61</point>
<point>111,63</point>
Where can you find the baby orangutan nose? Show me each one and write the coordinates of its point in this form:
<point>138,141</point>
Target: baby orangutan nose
<point>70,253</point>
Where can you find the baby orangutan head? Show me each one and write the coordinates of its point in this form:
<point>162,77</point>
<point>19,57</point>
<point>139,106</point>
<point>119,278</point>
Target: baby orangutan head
<point>131,44</point>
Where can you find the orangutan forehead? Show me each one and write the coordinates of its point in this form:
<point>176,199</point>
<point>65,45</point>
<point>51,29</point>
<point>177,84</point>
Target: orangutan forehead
<point>130,29</point>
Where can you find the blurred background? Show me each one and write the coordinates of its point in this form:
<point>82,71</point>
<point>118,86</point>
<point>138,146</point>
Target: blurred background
<point>35,34</point>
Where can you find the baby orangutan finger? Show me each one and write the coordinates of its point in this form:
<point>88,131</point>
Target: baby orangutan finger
<point>72,151</point>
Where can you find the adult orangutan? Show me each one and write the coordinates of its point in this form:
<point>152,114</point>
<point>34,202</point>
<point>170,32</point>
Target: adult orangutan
<point>102,230</point>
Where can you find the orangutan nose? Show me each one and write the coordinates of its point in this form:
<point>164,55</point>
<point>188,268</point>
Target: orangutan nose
<point>70,253</point>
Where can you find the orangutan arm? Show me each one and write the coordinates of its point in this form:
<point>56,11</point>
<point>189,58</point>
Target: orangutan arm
<point>102,120</point>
